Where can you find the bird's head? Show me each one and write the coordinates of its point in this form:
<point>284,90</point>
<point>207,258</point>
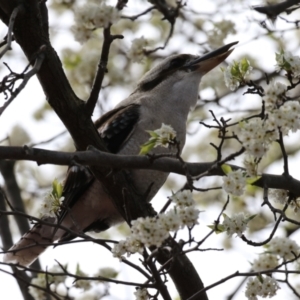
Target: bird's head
<point>182,71</point>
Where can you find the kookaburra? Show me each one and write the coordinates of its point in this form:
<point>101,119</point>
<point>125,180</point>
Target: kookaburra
<point>164,95</point>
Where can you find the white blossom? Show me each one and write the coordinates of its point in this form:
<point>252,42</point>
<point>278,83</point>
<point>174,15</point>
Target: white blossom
<point>286,118</point>
<point>166,134</point>
<point>269,287</point>
<point>236,224</point>
<point>163,136</point>
<point>170,220</point>
<point>81,33</point>
<point>141,294</point>
<point>92,16</point>
<point>273,94</point>
<point>265,262</point>
<point>119,249</point>
<point>288,62</point>
<point>280,196</point>
<point>57,279</point>
<point>183,198</point>
<point>251,165</point>
<point>35,292</point>
<point>50,206</point>
<point>230,81</point>
<point>265,287</point>
<point>284,247</point>
<point>189,216</point>
<point>234,182</point>
<point>256,136</point>
<point>149,231</point>
<point>153,231</point>
<point>136,52</point>
<point>52,201</point>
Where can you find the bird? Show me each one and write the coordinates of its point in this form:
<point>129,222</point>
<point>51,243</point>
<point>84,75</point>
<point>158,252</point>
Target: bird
<point>165,94</point>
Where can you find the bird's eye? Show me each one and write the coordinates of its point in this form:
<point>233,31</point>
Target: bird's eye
<point>177,62</point>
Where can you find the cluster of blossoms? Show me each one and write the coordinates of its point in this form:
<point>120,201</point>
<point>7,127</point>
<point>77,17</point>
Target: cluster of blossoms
<point>92,16</point>
<point>237,224</point>
<point>43,281</point>
<point>39,281</point>
<point>284,247</point>
<point>234,182</point>
<point>265,262</point>
<point>256,135</point>
<point>281,114</point>
<point>136,52</point>
<point>236,73</point>
<point>53,201</point>
<point>282,197</point>
<point>278,248</point>
<point>221,29</point>
<point>163,136</point>
<point>153,231</point>
<point>263,286</point>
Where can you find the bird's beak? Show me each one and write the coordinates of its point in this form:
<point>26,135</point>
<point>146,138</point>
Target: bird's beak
<point>210,60</point>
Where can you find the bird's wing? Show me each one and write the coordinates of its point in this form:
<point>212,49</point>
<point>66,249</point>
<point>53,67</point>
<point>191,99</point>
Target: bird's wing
<point>78,179</point>
<point>115,128</point>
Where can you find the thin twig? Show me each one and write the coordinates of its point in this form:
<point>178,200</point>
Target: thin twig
<point>37,65</point>
<point>9,37</point>
<point>133,18</point>
<point>102,69</point>
<point>284,155</point>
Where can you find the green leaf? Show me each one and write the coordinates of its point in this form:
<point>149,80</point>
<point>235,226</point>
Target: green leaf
<point>235,70</point>
<point>251,218</point>
<point>57,188</point>
<point>152,133</point>
<point>251,180</point>
<point>260,278</point>
<point>226,169</point>
<point>147,147</point>
<point>244,65</point>
<point>217,229</point>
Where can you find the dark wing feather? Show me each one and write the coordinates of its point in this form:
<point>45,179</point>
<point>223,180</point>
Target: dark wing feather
<point>78,179</point>
<point>116,126</point>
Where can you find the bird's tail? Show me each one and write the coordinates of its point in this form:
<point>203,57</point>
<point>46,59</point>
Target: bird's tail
<point>31,244</point>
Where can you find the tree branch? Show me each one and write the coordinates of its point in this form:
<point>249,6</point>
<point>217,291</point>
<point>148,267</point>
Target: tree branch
<point>272,11</point>
<point>100,159</point>
<point>102,69</point>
